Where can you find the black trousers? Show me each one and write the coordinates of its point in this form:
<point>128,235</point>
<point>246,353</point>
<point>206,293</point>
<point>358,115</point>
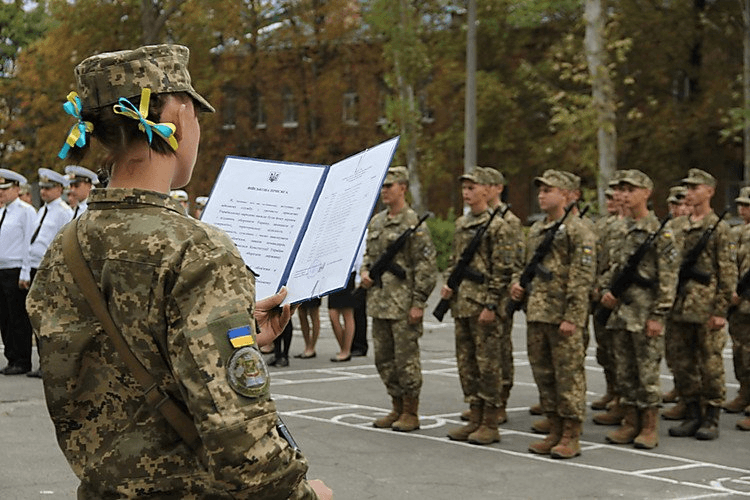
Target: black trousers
<point>15,326</point>
<point>282,343</point>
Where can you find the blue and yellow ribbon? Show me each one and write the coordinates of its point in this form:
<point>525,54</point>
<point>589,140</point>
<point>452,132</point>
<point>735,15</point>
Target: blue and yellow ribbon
<point>77,134</point>
<point>164,130</point>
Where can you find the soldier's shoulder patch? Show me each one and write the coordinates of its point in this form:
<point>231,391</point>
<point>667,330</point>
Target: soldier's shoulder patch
<point>247,373</point>
<point>588,255</point>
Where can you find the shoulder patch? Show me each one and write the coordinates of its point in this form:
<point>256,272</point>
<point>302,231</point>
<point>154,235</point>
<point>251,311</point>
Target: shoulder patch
<point>247,373</point>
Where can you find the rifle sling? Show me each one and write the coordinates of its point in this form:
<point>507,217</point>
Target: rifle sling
<point>181,422</point>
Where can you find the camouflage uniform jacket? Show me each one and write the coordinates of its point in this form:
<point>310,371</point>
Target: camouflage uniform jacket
<point>493,258</point>
<point>699,302</point>
<point>417,257</point>
<point>741,234</point>
<point>572,263</point>
<point>517,236</point>
<point>659,266</point>
<point>174,286</point>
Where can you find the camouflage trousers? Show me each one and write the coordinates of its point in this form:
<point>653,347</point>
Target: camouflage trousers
<point>697,362</point>
<point>505,328</point>
<point>604,354</point>
<point>739,331</point>
<point>396,344</point>
<point>557,363</point>
<point>637,359</point>
<point>478,358</point>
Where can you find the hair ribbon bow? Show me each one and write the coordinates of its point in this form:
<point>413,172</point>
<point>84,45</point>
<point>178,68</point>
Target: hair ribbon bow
<point>164,130</point>
<point>77,134</point>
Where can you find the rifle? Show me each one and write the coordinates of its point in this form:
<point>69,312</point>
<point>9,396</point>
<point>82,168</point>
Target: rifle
<point>462,270</point>
<point>535,264</point>
<point>385,261</point>
<point>688,272</point>
<point>628,275</point>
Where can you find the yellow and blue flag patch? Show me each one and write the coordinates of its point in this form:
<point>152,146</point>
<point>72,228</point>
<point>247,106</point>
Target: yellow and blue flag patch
<point>240,336</point>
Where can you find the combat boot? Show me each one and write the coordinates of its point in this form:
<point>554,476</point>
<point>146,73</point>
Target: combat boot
<point>487,433</point>
<point>386,421</point>
<point>569,445</point>
<point>462,433</point>
<point>692,421</point>
<point>649,436</point>
<point>542,426</point>
<point>629,428</point>
<point>677,412</point>
<point>613,416</point>
<point>602,402</point>
<point>502,417</point>
<point>739,403</point>
<point>671,396</point>
<point>544,446</point>
<point>536,409</point>
<point>709,428</point>
<point>744,424</point>
<point>409,419</point>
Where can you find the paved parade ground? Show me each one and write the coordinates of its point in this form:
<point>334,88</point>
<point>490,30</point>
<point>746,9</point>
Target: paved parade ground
<point>329,408</point>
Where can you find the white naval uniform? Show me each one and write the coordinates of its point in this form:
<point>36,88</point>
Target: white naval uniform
<point>58,213</point>
<point>15,233</point>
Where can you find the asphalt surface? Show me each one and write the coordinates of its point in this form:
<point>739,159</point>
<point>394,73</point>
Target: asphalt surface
<point>329,408</point>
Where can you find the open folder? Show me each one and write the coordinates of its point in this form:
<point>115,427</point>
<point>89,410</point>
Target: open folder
<point>296,224</point>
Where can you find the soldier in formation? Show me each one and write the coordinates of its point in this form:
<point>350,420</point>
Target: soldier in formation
<point>474,307</point>
<point>557,307</point>
<point>639,312</point>
<point>397,303</point>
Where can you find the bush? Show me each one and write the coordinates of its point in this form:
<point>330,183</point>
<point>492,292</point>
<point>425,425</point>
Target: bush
<point>442,236</point>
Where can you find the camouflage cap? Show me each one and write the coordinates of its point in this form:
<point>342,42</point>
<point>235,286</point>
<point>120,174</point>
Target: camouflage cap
<point>575,180</point>
<point>676,194</point>
<point>477,175</point>
<point>555,178</point>
<point>637,178</point>
<point>616,178</point>
<point>49,178</point>
<point>698,176</point>
<point>104,78</point>
<point>396,174</point>
<point>609,193</point>
<point>8,178</point>
<point>496,177</point>
<point>744,196</point>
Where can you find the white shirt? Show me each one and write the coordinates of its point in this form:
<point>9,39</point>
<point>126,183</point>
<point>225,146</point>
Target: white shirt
<point>80,208</point>
<point>15,233</point>
<point>58,213</point>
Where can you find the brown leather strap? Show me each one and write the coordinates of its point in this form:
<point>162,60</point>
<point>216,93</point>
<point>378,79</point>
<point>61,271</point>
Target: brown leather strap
<point>84,278</point>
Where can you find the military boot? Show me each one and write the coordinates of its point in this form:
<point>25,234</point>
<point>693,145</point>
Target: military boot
<point>542,426</point>
<point>409,419</point>
<point>462,433</point>
<point>739,403</point>
<point>744,424</point>
<point>602,402</point>
<point>387,421</point>
<point>709,428</point>
<point>629,428</point>
<point>671,396</point>
<point>569,445</point>
<point>466,415</point>
<point>487,432</point>
<point>692,421</point>
<point>613,416</point>
<point>502,417</point>
<point>649,436</point>
<point>677,412</point>
<point>544,446</point>
<point>536,409</point>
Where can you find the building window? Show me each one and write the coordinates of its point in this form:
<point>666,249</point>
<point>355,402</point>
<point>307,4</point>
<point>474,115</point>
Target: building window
<point>260,112</point>
<point>350,105</point>
<point>289,108</point>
